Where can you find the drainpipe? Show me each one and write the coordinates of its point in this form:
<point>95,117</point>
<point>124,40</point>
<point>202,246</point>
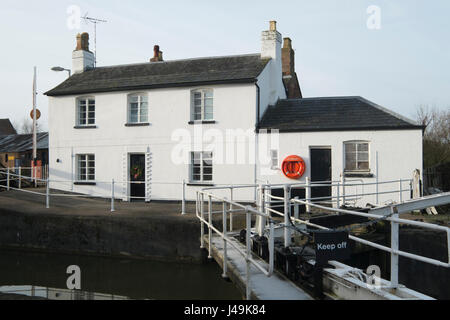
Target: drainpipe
<point>258,108</point>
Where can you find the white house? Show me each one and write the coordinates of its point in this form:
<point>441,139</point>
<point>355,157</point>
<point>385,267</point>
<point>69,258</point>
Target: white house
<point>150,126</point>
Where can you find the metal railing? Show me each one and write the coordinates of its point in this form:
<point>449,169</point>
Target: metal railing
<point>267,204</point>
<point>227,207</point>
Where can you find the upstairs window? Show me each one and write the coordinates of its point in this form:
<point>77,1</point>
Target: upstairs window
<point>201,167</point>
<point>86,112</point>
<point>137,108</point>
<point>86,167</point>
<point>357,156</point>
<point>202,105</point>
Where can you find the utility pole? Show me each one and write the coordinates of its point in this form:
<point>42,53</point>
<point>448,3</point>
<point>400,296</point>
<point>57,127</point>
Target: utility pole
<point>34,119</point>
<point>95,21</point>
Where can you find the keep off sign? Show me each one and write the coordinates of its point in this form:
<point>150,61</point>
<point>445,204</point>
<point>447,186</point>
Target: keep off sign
<point>331,246</point>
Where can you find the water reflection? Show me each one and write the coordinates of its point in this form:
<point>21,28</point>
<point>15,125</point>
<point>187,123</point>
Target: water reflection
<point>57,294</point>
<point>113,278</point>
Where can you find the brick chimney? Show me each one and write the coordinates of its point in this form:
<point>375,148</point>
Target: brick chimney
<point>82,58</point>
<point>157,56</point>
<point>290,79</point>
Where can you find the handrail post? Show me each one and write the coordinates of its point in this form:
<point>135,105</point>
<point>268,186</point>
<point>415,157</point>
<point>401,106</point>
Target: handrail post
<point>183,201</point>
<point>202,214</point>
<point>224,231</point>
<point>261,219</point>
<point>112,196</point>
<point>231,207</point>
<point>209,227</point>
<point>343,188</point>
<point>287,207</point>
<point>7,178</point>
<point>338,195</point>
<point>296,208</point>
<point>308,194</point>
<point>272,248</point>
<point>20,178</point>
<point>394,247</point>
<point>401,191</point>
<point>248,256</point>
<point>47,195</point>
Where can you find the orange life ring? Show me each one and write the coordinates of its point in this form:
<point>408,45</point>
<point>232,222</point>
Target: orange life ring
<point>293,167</point>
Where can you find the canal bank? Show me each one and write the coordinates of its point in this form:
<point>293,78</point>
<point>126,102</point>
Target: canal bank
<point>155,231</point>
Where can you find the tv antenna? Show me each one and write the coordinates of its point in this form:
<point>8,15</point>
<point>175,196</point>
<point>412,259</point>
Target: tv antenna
<point>95,21</point>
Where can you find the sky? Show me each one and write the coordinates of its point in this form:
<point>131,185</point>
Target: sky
<point>397,56</point>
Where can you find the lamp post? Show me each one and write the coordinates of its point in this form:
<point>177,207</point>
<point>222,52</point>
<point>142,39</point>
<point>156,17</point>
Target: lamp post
<point>59,69</point>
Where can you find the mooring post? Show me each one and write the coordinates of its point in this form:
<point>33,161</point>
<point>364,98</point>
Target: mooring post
<point>224,230</point>
<point>7,178</point>
<point>209,227</point>
<point>183,202</point>
<point>47,195</point>
<point>394,248</point>
<point>247,260</point>
<point>112,196</point>
<point>287,209</point>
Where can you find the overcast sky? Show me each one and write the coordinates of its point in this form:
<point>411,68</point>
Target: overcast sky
<point>403,64</point>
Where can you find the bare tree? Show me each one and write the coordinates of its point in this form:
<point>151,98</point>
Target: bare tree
<point>25,126</point>
<point>436,140</point>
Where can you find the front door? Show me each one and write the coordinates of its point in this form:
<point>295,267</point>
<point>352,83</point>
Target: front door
<point>321,172</point>
<point>137,177</point>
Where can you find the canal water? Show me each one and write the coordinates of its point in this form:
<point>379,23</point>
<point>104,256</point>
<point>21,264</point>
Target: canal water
<point>44,275</point>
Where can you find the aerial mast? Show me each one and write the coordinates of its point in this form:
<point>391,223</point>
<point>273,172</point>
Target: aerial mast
<point>95,21</point>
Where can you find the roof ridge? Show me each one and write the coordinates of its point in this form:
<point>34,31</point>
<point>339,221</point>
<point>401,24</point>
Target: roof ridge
<point>177,60</point>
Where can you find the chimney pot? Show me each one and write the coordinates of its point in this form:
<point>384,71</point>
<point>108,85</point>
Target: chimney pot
<point>273,25</point>
<point>158,55</point>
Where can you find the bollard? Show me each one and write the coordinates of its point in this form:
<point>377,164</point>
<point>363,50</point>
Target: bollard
<point>112,196</point>
<point>47,195</point>
<point>183,201</point>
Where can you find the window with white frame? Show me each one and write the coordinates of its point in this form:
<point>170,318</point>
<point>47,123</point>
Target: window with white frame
<point>274,159</point>
<point>201,167</point>
<point>138,108</point>
<point>356,156</point>
<point>86,111</point>
<point>202,105</point>
<point>86,167</point>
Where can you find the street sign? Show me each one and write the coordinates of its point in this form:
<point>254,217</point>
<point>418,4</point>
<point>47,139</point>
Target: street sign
<point>38,114</point>
<point>331,246</point>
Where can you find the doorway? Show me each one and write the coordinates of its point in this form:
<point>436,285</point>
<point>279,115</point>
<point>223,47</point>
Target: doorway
<point>137,177</point>
<point>321,172</point>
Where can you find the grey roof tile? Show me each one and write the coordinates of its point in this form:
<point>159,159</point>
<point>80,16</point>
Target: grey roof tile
<point>242,68</point>
<point>332,114</point>
<point>22,142</point>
